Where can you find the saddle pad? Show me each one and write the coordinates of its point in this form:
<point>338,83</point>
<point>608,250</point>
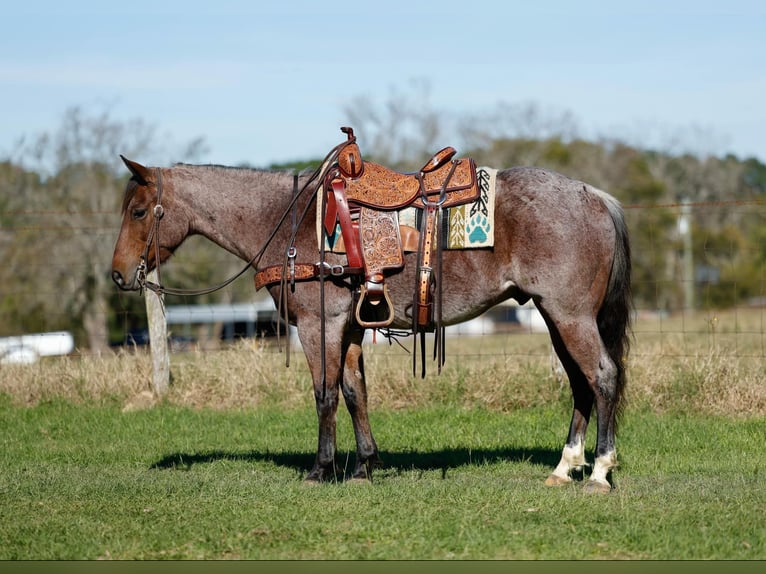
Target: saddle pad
<point>471,226</point>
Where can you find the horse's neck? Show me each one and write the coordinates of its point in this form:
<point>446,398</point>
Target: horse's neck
<point>235,208</point>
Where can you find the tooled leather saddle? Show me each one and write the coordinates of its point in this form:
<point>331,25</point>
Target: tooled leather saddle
<point>363,198</point>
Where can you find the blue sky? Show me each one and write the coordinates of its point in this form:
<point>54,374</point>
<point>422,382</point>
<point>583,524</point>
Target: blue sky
<point>267,81</point>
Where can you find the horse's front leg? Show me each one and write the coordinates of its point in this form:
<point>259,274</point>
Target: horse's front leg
<point>326,386</point>
<point>355,394</point>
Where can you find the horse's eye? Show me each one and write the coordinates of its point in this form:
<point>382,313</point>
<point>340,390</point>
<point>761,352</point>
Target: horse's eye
<point>139,213</point>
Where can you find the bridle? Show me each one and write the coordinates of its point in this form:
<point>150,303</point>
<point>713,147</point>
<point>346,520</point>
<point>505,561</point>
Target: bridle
<point>157,212</point>
<point>154,237</point>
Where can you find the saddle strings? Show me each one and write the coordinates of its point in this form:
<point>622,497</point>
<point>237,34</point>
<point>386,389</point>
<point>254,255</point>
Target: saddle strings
<point>437,220</point>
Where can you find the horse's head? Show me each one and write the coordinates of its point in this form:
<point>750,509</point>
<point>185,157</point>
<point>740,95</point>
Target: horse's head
<point>142,239</point>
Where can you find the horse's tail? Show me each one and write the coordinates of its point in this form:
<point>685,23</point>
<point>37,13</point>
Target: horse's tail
<point>615,316</point>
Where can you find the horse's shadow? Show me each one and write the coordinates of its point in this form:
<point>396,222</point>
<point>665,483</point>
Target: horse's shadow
<point>396,462</point>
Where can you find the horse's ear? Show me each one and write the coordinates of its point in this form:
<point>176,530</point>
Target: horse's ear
<point>140,172</point>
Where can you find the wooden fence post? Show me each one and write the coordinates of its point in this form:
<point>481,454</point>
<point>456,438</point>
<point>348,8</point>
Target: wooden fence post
<point>158,339</point>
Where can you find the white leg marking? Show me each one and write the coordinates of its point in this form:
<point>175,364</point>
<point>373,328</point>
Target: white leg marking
<point>602,467</point>
<point>572,458</point>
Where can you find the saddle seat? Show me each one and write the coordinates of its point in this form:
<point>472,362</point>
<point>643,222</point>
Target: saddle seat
<point>373,185</point>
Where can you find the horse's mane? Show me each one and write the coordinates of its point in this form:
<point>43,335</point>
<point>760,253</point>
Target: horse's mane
<point>217,166</point>
<point>133,184</point>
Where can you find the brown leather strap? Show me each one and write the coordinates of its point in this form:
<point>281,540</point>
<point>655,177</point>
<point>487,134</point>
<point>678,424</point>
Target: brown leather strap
<point>330,214</point>
<point>302,272</point>
<point>273,274</point>
<point>410,238</point>
<point>347,228</point>
<point>425,272</point>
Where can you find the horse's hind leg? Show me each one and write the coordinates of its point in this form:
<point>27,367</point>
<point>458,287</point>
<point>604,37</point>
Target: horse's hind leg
<point>355,394</point>
<point>573,455</point>
<point>592,376</point>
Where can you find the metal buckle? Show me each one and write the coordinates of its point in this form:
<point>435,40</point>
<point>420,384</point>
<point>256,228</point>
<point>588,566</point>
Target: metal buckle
<point>141,274</point>
<point>291,253</point>
<point>334,270</point>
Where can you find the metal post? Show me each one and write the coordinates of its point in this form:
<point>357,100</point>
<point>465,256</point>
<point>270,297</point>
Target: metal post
<point>685,229</point>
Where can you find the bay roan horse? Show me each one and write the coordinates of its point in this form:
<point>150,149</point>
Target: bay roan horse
<point>559,242</point>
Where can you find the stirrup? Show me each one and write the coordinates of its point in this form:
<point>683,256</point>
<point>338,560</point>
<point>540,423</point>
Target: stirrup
<point>375,306</point>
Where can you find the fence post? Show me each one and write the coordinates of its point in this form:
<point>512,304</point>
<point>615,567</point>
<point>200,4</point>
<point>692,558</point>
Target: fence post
<point>158,339</point>
<point>685,227</point>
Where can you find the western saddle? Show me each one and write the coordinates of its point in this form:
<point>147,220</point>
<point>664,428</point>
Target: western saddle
<point>364,198</point>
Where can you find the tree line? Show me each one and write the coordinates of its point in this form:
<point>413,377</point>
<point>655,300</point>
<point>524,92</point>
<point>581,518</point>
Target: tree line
<point>60,197</point>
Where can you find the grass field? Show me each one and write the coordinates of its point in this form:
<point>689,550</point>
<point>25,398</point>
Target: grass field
<point>178,483</point>
<point>93,467</point>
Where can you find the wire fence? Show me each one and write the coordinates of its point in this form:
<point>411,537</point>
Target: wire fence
<point>700,286</point>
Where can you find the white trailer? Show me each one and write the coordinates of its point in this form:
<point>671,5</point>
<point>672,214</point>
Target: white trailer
<point>27,349</point>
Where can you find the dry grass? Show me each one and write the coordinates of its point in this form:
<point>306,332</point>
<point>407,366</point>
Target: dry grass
<point>710,363</point>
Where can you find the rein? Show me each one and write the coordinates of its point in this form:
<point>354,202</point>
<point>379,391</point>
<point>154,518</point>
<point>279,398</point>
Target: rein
<point>159,211</point>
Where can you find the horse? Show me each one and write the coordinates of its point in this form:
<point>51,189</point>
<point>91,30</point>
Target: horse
<point>559,242</point>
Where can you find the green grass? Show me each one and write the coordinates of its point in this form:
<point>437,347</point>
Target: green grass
<point>174,482</point>
<point>93,466</point>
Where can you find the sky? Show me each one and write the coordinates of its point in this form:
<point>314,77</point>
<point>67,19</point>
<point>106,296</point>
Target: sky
<point>266,82</point>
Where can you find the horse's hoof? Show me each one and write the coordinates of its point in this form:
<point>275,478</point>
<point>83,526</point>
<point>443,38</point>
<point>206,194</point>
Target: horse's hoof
<point>314,479</point>
<point>556,480</point>
<point>321,474</point>
<point>597,487</point>
<point>358,480</point>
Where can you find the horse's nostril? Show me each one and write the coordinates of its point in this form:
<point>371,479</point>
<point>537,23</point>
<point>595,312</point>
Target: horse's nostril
<point>117,278</point>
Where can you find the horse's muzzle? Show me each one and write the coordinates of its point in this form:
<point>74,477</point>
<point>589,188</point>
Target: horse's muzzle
<point>120,281</point>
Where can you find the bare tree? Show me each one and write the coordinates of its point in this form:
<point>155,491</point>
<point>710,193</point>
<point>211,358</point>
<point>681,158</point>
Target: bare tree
<point>516,133</point>
<point>405,129</point>
<point>401,132</point>
<point>76,212</point>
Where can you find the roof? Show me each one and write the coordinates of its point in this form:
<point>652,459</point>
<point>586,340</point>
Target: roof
<point>235,312</point>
